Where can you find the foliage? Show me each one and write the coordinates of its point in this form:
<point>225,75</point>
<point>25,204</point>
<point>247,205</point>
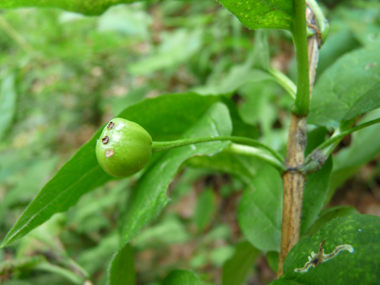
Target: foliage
<point>198,214</point>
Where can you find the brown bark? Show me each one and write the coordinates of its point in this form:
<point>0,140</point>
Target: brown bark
<point>294,181</point>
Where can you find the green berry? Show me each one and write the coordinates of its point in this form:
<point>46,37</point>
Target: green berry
<point>124,148</point>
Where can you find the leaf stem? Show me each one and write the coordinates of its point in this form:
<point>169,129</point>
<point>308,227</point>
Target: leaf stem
<point>319,155</point>
<point>299,32</point>
<point>345,133</point>
<point>259,153</point>
<point>61,271</point>
<point>284,81</point>
<point>162,146</point>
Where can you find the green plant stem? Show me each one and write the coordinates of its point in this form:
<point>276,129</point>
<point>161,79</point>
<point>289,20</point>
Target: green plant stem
<point>318,156</point>
<point>61,271</point>
<point>79,270</point>
<point>345,133</point>
<point>162,146</point>
<point>299,32</point>
<point>284,81</point>
<point>256,152</point>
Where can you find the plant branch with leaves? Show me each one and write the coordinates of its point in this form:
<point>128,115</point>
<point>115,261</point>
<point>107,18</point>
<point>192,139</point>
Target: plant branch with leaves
<point>156,138</point>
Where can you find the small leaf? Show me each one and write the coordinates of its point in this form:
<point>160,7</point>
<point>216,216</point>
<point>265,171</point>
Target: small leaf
<point>260,210</point>
<point>181,277</point>
<point>350,242</point>
<point>343,85</point>
<point>122,268</point>
<point>315,194</point>
<point>257,14</point>
<point>235,269</point>
<point>149,197</point>
<point>7,103</point>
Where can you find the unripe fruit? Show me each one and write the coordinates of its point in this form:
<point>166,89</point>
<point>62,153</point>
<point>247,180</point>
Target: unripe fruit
<point>124,148</point>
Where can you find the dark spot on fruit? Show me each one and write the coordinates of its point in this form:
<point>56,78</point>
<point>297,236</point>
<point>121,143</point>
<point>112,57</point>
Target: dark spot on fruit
<point>105,140</point>
<point>110,125</point>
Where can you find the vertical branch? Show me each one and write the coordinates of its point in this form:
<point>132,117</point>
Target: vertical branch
<point>301,107</point>
<point>294,184</point>
<point>293,180</point>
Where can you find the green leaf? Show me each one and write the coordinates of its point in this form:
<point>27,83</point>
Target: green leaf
<point>272,258</point>
<point>205,209</point>
<point>260,210</point>
<point>329,214</point>
<point>349,81</point>
<point>122,267</point>
<point>368,102</point>
<point>226,162</point>
<point>182,277</point>
<point>364,147</point>
<point>235,269</point>
<point>149,197</point>
<point>335,46</point>
<point>357,236</point>
<point>283,282</point>
<point>78,176</point>
<point>88,7</point>
<point>315,194</point>
<point>7,103</point>
<point>258,14</point>
<point>314,138</point>
<point>81,174</point>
